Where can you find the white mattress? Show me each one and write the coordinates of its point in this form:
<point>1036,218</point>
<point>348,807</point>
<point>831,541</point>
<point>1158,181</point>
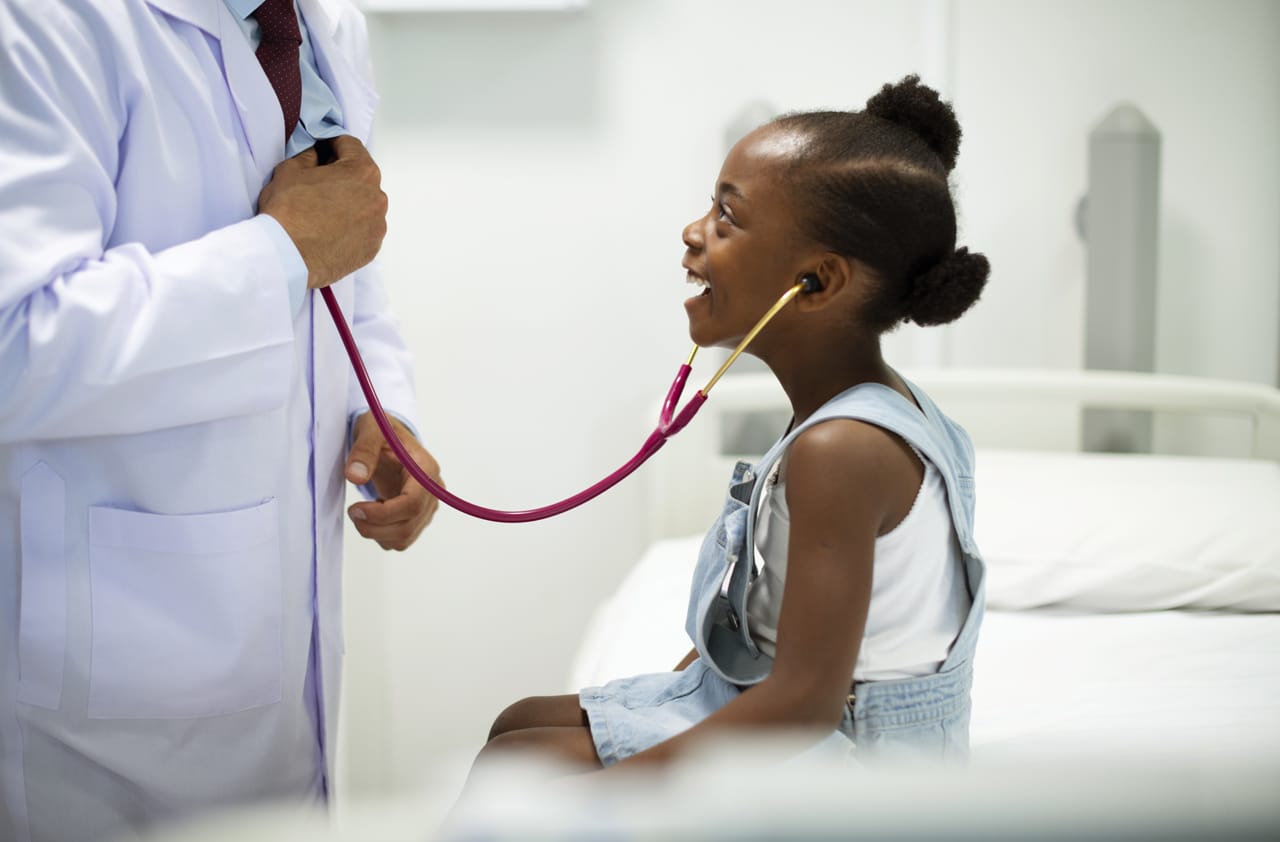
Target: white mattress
<point>1046,681</point>
<point>1059,682</point>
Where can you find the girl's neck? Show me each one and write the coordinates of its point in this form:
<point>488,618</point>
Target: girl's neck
<point>809,385</point>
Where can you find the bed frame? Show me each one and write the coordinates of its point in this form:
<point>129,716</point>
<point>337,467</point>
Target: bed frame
<point>1026,409</point>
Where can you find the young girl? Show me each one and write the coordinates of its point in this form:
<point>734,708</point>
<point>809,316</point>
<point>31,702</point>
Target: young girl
<point>864,614</point>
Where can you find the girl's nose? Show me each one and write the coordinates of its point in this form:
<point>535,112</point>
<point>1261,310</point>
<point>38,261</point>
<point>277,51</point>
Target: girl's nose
<point>692,234</point>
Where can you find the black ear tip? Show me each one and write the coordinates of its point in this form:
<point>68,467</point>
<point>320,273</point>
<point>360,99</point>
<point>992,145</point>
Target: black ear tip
<point>810,283</point>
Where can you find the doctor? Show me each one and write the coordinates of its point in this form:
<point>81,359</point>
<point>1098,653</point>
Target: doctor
<point>175,408</point>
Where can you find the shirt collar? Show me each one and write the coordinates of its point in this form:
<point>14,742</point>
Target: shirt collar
<point>243,8</point>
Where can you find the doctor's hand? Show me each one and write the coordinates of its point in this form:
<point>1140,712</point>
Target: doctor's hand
<point>335,213</point>
<point>403,508</point>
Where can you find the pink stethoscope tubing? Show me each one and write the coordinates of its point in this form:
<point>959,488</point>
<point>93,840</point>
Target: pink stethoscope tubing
<point>670,422</point>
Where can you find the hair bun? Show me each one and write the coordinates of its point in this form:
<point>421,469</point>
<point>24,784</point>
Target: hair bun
<point>951,287</point>
<point>918,108</point>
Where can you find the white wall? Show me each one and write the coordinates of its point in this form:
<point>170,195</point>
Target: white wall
<point>540,168</point>
<point>1031,80</point>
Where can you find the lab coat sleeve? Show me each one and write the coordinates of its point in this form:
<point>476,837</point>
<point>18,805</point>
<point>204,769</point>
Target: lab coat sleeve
<point>108,340</point>
<point>386,357</point>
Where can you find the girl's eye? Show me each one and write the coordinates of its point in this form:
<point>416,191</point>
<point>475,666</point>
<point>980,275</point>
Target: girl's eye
<point>722,213</point>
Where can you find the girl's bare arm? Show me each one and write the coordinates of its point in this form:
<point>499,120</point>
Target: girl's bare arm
<point>846,482</point>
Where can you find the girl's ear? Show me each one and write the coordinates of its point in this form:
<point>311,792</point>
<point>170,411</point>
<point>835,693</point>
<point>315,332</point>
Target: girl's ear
<point>833,274</point>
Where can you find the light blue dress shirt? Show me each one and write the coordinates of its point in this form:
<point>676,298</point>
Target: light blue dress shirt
<point>321,117</point>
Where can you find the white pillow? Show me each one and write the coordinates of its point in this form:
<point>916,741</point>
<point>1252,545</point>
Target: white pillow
<point>1110,532</point>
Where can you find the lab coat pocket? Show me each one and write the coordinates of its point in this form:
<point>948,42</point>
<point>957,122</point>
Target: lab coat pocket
<point>186,613</point>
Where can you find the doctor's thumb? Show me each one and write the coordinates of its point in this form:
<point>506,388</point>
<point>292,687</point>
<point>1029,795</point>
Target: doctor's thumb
<point>364,454</point>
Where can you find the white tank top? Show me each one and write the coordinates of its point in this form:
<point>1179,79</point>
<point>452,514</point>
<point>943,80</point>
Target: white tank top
<point>919,598</point>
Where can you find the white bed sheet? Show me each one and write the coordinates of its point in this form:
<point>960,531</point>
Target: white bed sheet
<point>1047,681</point>
<point>1168,682</point>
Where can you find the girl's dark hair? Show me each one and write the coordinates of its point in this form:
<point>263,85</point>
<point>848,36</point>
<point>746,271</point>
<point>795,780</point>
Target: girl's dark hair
<point>874,188</point>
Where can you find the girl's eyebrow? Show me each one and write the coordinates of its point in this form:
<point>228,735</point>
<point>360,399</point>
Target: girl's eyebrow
<point>729,187</point>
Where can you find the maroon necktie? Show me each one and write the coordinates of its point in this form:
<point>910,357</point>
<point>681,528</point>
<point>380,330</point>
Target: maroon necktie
<point>278,54</point>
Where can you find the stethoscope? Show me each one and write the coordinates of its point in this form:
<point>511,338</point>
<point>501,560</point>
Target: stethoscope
<point>670,421</point>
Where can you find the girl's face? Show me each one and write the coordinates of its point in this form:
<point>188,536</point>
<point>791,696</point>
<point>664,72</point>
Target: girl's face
<point>745,251</point>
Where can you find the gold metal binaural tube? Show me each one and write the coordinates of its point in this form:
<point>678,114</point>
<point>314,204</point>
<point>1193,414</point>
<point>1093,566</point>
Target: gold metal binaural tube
<point>742,346</point>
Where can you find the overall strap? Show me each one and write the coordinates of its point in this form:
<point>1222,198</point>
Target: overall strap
<point>925,428</point>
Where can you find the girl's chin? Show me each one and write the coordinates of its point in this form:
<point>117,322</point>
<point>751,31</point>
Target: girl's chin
<point>700,333</point>
<point>705,339</point>
<point>704,329</point>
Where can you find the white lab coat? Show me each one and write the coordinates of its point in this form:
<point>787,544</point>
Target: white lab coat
<point>162,556</point>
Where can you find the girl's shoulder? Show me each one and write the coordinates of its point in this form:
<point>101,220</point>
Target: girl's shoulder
<point>853,466</point>
<point>861,427</point>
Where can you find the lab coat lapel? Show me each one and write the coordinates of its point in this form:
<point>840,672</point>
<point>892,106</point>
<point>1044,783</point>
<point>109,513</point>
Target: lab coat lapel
<point>256,101</point>
<point>351,85</point>
<point>260,113</point>
<point>201,13</point>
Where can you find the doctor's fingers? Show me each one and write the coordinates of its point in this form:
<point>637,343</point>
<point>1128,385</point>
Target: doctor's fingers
<point>348,147</point>
<point>349,153</point>
<point>308,159</point>
<point>345,159</point>
<point>396,523</point>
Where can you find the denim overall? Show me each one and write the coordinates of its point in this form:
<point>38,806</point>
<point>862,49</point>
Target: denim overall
<point>924,717</point>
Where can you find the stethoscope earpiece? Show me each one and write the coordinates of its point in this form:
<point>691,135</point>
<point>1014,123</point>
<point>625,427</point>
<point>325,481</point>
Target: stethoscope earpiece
<point>810,283</point>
